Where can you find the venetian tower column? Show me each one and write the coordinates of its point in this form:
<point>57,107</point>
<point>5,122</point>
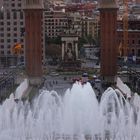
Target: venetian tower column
<point>33,37</point>
<point>108,20</point>
<point>137,1</point>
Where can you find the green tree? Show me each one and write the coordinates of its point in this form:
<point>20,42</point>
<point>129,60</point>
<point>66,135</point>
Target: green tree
<point>81,42</point>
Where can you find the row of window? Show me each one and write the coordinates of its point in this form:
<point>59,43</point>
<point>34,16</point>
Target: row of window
<point>56,20</point>
<point>53,31</point>
<point>13,4</point>
<point>11,40</point>
<point>130,35</point>
<point>9,29</point>
<point>131,42</point>
<point>10,23</point>
<point>52,35</point>
<point>9,52</point>
<point>60,23</point>
<point>9,35</point>
<point>11,16</point>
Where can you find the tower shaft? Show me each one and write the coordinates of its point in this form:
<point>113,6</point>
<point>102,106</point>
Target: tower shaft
<point>33,37</point>
<point>108,20</point>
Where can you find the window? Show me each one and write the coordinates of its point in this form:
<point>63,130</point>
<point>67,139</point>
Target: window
<point>8,29</point>
<point>15,34</point>
<point>15,40</point>
<point>13,4</point>
<point>8,40</point>
<point>15,15</point>
<point>138,52</point>
<point>21,23</point>
<point>8,34</point>
<point>1,23</point>
<point>15,23</point>
<point>15,29</point>
<point>2,40</point>
<point>2,52</point>
<point>21,15</point>
<point>1,29</point>
<point>21,40</point>
<point>8,52</point>
<point>19,4</point>
<point>2,34</point>
<point>2,46</point>
<point>8,23</point>
<point>133,41</point>
<point>8,46</point>
<point>8,15</point>
<point>1,15</point>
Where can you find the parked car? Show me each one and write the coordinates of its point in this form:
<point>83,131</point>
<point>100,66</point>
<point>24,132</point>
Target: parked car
<point>12,67</point>
<point>54,74</point>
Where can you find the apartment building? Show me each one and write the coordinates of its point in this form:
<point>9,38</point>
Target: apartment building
<point>59,22</point>
<point>11,31</point>
<point>90,26</point>
<point>55,23</point>
<point>133,37</point>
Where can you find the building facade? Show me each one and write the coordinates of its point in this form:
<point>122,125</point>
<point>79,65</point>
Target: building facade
<point>11,31</point>
<point>55,23</point>
<point>133,37</point>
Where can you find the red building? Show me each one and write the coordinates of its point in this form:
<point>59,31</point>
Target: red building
<point>133,37</point>
<point>33,35</point>
<point>108,20</point>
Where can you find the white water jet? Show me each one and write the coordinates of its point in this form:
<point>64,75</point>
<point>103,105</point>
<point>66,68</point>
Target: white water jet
<point>76,116</point>
<point>21,89</point>
<point>123,87</point>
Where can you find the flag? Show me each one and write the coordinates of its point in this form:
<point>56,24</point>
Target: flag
<point>16,49</point>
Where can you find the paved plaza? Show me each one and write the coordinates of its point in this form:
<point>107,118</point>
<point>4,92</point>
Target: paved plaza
<point>58,83</point>
<point>62,82</point>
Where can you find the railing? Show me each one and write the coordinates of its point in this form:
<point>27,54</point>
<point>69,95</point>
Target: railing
<point>7,83</point>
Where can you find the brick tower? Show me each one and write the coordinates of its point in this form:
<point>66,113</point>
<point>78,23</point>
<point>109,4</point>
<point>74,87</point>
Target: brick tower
<point>33,37</point>
<point>137,1</point>
<point>108,20</point>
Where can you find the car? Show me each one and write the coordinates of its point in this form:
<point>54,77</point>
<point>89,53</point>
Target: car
<point>122,72</point>
<point>12,67</point>
<point>54,74</point>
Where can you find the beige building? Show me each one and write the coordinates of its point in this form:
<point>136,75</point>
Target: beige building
<point>59,22</point>
<point>12,31</point>
<point>55,23</point>
<point>90,26</point>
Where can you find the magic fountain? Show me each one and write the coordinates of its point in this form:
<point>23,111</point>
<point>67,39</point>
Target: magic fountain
<point>78,115</point>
